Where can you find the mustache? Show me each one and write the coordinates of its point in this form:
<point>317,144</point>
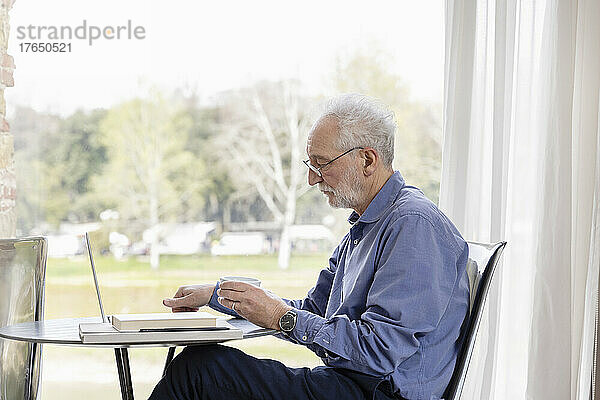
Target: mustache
<point>323,187</point>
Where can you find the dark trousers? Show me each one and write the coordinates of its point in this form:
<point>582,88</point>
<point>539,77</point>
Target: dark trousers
<point>221,372</point>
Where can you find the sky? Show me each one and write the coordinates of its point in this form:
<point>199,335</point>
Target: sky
<point>213,46</point>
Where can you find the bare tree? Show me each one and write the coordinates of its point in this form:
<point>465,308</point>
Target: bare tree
<point>264,132</point>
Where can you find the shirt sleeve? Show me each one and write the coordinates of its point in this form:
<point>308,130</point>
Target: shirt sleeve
<point>415,275</point>
<point>215,305</point>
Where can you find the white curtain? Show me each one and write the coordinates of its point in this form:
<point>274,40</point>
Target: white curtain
<point>521,162</point>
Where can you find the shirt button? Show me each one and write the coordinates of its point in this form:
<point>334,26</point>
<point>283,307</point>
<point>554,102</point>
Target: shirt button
<point>355,242</point>
<point>304,338</point>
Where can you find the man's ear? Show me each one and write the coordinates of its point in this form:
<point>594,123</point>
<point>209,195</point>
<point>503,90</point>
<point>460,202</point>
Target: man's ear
<point>370,160</point>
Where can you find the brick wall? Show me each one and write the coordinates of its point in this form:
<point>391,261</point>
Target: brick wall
<point>8,182</point>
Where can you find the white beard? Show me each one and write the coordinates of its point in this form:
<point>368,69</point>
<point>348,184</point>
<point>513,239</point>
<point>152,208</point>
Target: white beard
<point>348,194</point>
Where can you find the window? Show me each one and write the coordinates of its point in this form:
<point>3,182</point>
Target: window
<point>150,128</point>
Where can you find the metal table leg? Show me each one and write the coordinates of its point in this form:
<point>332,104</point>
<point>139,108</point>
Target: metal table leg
<point>170,356</point>
<point>122,358</point>
<point>120,371</point>
<point>127,373</point>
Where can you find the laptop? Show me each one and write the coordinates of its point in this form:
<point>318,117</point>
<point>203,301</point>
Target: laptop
<point>106,319</point>
<point>105,333</point>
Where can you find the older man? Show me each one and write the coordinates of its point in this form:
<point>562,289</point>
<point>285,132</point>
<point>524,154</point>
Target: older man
<point>386,314</point>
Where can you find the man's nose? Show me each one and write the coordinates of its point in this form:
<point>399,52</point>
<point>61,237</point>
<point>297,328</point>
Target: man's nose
<point>313,178</point>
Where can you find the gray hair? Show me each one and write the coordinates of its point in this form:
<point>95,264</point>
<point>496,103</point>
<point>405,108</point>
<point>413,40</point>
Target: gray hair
<point>363,122</point>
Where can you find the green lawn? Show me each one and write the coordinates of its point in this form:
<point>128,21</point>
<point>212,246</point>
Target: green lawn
<point>131,286</point>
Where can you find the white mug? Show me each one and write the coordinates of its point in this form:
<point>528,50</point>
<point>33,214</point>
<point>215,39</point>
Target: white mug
<point>252,281</point>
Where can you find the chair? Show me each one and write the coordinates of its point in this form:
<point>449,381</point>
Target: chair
<point>483,258</point>
<point>22,277</point>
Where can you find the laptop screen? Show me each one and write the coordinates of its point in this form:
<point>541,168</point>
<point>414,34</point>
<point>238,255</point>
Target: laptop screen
<point>89,248</point>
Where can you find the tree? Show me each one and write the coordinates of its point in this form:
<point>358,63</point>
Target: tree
<point>150,174</point>
<point>33,134</point>
<point>218,187</point>
<point>74,157</point>
<point>264,131</point>
<point>57,159</point>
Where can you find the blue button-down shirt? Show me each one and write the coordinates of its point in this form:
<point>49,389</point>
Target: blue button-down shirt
<point>394,297</point>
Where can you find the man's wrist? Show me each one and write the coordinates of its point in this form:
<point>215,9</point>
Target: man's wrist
<point>210,291</point>
<point>282,310</point>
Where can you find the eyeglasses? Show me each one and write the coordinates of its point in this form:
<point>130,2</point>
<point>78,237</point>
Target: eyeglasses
<point>318,170</point>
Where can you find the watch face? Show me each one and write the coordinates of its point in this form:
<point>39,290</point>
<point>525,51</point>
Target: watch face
<point>288,321</point>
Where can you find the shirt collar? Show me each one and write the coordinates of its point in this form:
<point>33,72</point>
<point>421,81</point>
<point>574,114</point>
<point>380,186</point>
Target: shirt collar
<point>382,200</point>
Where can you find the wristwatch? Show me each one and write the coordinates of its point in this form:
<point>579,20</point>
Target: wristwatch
<point>287,322</point>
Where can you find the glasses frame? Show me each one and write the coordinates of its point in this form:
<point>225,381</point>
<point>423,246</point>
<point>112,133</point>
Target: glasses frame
<point>318,170</point>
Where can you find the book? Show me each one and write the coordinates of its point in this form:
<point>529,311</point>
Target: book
<point>136,322</point>
<point>106,333</point>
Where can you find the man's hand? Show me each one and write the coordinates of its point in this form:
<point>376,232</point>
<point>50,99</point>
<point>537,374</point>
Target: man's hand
<point>257,305</point>
<point>190,297</point>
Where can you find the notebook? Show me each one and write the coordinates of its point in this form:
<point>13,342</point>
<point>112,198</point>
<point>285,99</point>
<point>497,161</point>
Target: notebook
<point>135,322</point>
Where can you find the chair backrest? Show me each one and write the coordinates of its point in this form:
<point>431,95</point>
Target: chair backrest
<point>483,258</point>
<point>22,278</point>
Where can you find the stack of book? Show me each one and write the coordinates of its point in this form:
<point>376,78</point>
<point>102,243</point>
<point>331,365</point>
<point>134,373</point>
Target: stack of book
<point>159,328</point>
